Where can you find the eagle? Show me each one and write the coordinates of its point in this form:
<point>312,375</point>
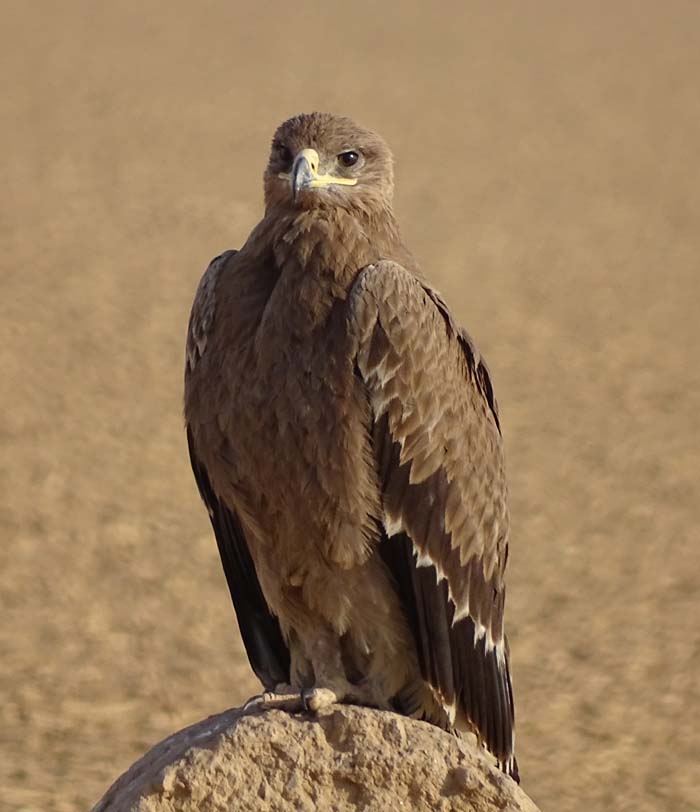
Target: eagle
<point>345,439</point>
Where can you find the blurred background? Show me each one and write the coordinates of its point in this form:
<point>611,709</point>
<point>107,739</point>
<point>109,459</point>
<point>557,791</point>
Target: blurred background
<point>547,179</point>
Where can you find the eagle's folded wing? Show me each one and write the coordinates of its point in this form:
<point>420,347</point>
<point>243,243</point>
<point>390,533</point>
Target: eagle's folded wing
<point>260,630</point>
<point>439,460</point>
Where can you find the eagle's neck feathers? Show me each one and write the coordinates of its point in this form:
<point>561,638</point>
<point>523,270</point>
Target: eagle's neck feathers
<point>317,255</point>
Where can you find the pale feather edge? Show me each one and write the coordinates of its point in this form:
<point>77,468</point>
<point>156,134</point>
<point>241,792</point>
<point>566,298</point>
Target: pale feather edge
<point>200,323</point>
<point>393,527</point>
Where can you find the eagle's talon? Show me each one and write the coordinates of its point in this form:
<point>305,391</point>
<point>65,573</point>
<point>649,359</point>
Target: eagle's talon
<point>272,700</point>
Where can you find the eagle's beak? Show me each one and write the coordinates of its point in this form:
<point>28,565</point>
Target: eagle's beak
<point>304,174</point>
<point>304,170</point>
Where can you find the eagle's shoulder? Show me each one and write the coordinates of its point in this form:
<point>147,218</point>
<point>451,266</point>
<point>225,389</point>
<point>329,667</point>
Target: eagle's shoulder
<point>204,308</point>
<point>388,294</point>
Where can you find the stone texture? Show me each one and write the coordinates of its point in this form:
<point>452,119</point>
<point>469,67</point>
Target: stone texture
<point>346,758</point>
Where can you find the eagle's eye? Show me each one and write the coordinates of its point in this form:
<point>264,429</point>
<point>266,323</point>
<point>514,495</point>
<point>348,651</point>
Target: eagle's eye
<point>349,158</point>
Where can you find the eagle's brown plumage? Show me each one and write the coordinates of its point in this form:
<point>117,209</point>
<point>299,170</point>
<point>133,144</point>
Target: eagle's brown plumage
<point>345,438</point>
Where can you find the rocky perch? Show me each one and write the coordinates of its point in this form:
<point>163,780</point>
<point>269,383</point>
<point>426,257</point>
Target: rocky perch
<point>345,758</point>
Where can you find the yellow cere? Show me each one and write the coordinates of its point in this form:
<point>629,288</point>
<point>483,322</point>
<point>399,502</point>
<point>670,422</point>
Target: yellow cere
<point>322,180</point>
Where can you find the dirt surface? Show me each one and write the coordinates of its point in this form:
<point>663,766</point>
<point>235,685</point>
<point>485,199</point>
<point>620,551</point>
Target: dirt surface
<point>547,178</point>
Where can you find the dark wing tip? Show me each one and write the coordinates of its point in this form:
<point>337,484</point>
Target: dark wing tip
<point>260,630</point>
<point>457,662</point>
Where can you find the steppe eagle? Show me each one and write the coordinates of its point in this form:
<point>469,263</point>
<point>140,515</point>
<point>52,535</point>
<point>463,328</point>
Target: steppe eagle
<point>345,439</point>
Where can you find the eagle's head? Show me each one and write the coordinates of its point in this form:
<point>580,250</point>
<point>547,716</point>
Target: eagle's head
<point>319,160</point>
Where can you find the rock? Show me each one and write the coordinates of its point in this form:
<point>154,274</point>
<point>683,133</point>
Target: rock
<point>345,758</point>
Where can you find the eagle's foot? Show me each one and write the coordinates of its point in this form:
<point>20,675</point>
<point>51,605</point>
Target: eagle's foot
<point>284,697</point>
<point>313,700</point>
<point>318,699</point>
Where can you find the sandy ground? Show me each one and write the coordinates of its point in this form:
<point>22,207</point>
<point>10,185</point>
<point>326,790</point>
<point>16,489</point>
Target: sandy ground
<point>547,173</point>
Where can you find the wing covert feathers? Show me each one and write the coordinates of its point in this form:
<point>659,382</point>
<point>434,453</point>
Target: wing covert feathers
<point>203,308</point>
<point>439,459</point>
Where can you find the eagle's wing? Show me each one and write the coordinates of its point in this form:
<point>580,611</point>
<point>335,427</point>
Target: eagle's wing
<point>260,630</point>
<point>438,450</point>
